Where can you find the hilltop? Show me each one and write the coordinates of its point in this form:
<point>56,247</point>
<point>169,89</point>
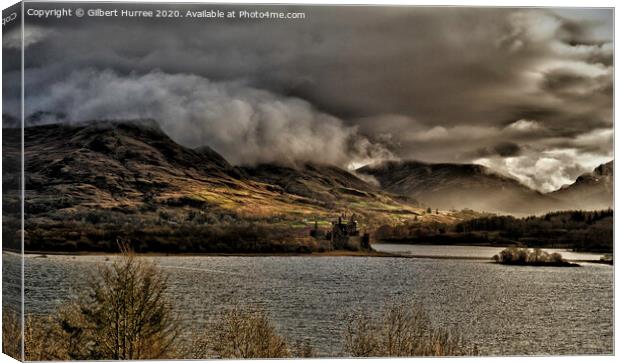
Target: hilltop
<point>593,190</point>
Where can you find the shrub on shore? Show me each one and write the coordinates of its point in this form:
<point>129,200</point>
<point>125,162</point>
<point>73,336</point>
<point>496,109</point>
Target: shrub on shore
<point>404,330</point>
<point>123,315</point>
<point>535,257</point>
<point>11,333</point>
<point>47,340</point>
<point>43,336</point>
<point>241,334</point>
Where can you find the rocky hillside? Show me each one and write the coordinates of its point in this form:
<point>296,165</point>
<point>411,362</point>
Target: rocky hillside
<point>592,190</point>
<point>326,185</point>
<point>89,184</point>
<point>458,186</point>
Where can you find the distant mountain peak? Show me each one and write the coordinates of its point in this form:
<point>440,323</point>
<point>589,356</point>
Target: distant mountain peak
<point>605,169</point>
<point>459,186</point>
<point>593,190</point>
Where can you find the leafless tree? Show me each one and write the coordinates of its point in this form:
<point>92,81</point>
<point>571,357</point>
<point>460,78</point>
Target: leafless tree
<point>404,330</point>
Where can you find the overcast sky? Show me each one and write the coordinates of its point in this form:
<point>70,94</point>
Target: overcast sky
<point>527,92</point>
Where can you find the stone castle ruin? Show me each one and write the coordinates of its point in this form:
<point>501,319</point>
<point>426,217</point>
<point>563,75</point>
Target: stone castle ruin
<point>344,235</point>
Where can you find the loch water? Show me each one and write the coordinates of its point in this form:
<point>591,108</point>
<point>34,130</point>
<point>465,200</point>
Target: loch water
<point>503,310</point>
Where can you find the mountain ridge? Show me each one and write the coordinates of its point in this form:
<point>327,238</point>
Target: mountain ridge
<point>449,185</point>
<point>458,186</point>
<point>85,181</point>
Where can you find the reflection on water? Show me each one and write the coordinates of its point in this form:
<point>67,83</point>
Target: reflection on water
<point>503,309</point>
<point>11,281</point>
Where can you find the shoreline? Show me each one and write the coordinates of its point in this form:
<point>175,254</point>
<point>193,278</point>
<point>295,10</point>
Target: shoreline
<point>337,253</point>
<point>214,254</point>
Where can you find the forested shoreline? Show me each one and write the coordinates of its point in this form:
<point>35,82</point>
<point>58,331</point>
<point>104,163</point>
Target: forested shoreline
<point>586,231</point>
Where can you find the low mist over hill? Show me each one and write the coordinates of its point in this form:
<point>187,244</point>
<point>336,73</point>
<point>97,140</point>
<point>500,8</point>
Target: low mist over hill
<point>458,186</point>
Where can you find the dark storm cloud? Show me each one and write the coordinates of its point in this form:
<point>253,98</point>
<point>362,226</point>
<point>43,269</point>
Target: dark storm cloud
<point>437,84</point>
<point>566,84</point>
<point>502,149</point>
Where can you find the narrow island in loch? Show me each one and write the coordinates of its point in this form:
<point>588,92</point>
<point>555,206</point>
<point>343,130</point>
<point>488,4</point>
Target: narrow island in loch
<point>527,257</point>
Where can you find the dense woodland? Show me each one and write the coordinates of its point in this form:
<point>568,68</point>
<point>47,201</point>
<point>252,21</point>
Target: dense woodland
<point>100,231</point>
<point>578,230</point>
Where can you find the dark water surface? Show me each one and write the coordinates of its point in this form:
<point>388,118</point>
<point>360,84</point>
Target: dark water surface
<point>504,310</point>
